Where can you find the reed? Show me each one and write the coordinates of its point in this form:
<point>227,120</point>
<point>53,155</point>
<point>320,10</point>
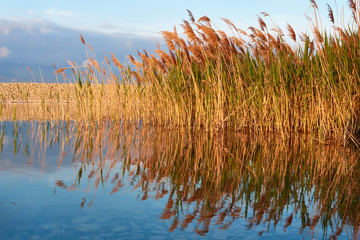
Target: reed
<point>254,80</point>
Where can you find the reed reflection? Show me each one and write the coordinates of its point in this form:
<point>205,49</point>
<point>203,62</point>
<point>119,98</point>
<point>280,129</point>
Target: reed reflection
<point>210,180</point>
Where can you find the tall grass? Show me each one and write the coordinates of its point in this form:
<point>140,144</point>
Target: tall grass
<point>257,80</point>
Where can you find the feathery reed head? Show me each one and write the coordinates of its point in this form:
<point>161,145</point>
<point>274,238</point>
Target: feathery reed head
<point>352,5</point>
<point>191,16</point>
<point>331,14</point>
<point>314,4</point>
<point>82,39</point>
<point>262,23</point>
<point>291,32</point>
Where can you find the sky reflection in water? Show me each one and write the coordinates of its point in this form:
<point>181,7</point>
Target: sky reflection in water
<point>112,181</point>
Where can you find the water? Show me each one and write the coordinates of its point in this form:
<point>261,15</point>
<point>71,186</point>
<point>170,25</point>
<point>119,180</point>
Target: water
<point>66,180</point>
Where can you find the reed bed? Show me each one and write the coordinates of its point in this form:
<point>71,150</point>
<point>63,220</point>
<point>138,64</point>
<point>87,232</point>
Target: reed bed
<point>57,101</point>
<point>255,80</point>
<point>208,181</point>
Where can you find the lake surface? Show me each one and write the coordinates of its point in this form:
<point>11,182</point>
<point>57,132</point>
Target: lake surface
<point>103,180</point>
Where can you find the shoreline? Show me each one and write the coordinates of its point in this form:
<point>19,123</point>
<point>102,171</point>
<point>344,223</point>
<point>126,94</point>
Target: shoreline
<point>33,92</point>
<point>44,92</point>
<point>66,101</point>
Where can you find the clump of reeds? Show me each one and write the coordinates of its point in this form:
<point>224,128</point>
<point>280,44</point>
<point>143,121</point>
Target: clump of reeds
<point>254,80</point>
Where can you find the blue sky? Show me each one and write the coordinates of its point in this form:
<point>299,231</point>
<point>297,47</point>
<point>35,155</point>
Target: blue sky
<point>150,17</point>
<point>43,32</point>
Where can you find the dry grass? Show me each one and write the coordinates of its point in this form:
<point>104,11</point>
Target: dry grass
<point>250,80</point>
<point>54,101</point>
<point>45,92</point>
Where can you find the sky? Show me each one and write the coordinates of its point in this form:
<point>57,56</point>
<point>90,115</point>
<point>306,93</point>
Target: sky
<point>150,17</point>
<point>46,32</point>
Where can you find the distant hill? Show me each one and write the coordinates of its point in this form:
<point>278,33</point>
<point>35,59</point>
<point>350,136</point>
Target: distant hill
<point>25,43</point>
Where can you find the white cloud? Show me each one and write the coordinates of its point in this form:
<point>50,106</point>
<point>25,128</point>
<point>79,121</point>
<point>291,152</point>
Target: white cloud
<point>7,27</point>
<point>4,52</point>
<point>54,12</point>
<point>47,42</point>
<point>26,26</point>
